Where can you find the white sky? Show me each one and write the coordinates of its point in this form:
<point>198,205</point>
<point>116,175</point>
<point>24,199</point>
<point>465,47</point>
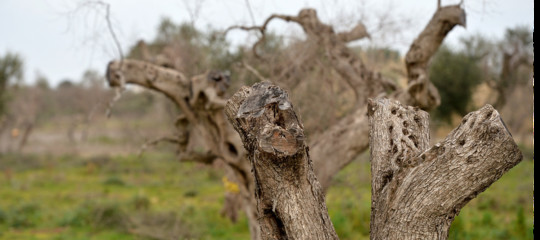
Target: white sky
<point>61,43</point>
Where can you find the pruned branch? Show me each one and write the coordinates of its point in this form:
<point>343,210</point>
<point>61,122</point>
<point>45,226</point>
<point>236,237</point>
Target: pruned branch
<point>290,200</point>
<point>416,193</point>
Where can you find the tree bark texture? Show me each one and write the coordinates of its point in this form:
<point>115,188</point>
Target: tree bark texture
<point>416,191</point>
<point>290,200</point>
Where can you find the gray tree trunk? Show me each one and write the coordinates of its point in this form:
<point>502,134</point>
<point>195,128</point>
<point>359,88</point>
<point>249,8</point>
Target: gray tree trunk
<point>416,191</point>
<point>290,200</point>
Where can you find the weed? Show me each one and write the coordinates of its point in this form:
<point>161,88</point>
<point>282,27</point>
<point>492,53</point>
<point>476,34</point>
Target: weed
<point>3,216</point>
<point>24,216</point>
<point>114,181</point>
<point>98,216</point>
<point>140,202</point>
<point>165,225</point>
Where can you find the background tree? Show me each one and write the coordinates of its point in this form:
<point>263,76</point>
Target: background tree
<point>517,57</point>
<point>11,71</point>
<point>504,67</point>
<point>455,74</point>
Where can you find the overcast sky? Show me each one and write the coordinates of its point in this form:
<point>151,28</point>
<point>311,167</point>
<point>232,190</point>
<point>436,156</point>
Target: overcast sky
<point>61,41</point>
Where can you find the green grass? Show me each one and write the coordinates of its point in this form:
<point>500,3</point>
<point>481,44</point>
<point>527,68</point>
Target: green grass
<point>126,197</point>
<point>503,211</point>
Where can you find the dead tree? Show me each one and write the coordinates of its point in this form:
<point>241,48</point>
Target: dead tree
<point>416,191</point>
<point>201,102</point>
<point>290,200</point>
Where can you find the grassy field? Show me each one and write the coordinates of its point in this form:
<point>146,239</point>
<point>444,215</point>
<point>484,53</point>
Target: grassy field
<point>155,197</point>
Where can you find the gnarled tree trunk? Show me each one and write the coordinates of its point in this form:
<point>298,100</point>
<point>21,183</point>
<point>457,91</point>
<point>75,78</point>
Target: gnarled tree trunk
<point>416,191</point>
<point>201,125</point>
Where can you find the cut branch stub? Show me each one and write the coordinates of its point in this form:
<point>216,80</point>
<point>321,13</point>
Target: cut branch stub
<point>290,200</point>
<point>419,198</point>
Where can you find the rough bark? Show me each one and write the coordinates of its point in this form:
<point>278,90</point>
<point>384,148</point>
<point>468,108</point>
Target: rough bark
<point>417,192</point>
<point>290,201</point>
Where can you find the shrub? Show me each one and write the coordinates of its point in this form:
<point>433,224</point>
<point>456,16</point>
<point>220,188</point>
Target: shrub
<point>98,216</point>
<point>455,74</point>
<point>24,216</point>
<point>114,180</point>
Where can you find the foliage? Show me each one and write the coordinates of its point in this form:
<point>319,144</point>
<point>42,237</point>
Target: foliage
<point>455,74</point>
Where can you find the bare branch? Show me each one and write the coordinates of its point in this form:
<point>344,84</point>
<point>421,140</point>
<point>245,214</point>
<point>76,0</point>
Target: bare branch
<point>254,71</point>
<point>151,143</point>
<point>111,30</point>
<point>120,89</point>
<point>250,12</point>
<point>261,29</point>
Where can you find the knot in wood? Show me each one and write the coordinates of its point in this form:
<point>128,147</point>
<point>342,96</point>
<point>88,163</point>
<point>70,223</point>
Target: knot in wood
<point>285,142</point>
